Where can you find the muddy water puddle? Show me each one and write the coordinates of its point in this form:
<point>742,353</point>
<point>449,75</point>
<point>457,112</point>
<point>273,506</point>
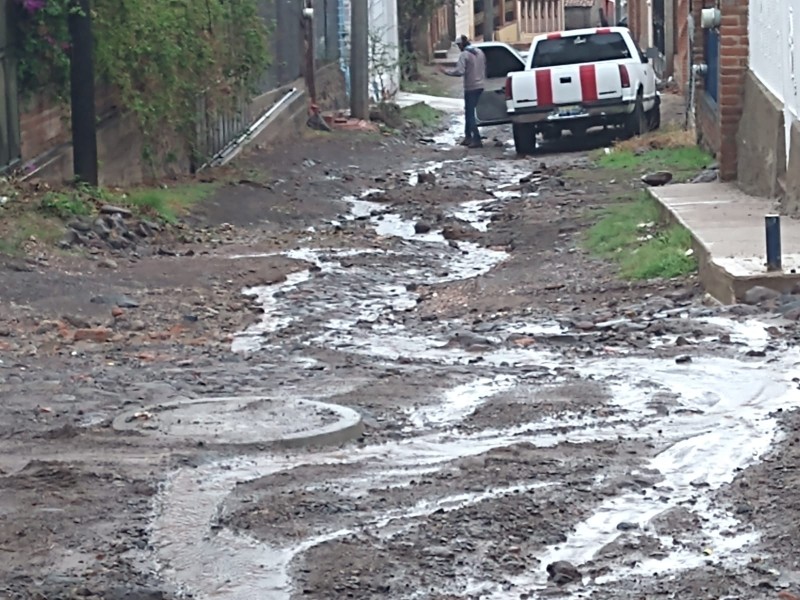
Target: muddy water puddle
<point>722,424</point>
<point>716,421</point>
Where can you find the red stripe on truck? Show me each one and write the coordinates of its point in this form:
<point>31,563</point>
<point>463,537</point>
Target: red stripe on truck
<point>588,83</point>
<point>602,30</point>
<point>544,88</point>
<point>554,36</point>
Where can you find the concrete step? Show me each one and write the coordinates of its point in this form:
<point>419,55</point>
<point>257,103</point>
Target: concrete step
<point>727,227</point>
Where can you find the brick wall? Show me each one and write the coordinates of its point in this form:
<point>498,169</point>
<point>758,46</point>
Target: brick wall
<point>642,23</point>
<point>45,123</point>
<point>718,122</point>
<point>681,62</point>
<point>45,129</point>
<point>734,49</point>
<point>636,8</point>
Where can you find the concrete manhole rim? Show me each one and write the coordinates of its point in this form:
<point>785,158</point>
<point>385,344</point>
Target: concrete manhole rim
<point>348,425</point>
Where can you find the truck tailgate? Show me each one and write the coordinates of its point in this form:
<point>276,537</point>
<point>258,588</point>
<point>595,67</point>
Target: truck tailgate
<point>566,85</point>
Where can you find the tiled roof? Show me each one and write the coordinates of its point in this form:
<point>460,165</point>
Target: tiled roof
<point>578,3</point>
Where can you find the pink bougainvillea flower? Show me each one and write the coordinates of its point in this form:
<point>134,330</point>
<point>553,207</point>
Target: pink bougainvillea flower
<point>32,6</point>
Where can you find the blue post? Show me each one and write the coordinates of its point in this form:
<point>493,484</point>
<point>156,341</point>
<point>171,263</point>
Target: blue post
<point>772,225</point>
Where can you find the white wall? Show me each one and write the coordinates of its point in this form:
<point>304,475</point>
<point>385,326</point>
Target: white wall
<point>465,15</point>
<point>774,32</point>
<point>385,41</point>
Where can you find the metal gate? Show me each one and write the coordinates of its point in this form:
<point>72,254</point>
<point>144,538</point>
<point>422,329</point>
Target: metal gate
<point>659,37</point>
<point>711,51</point>
<point>217,127</point>
<point>9,100</point>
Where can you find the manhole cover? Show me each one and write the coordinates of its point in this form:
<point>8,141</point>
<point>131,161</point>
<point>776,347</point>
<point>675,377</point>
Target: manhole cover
<point>245,420</point>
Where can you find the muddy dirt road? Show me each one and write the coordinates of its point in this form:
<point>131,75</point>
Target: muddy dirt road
<point>426,390</point>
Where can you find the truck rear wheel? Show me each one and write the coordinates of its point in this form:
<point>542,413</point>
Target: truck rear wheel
<point>524,138</point>
<point>636,122</point>
<point>654,115</point>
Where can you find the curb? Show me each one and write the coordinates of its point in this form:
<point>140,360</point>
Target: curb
<point>719,283</point>
<point>348,426</point>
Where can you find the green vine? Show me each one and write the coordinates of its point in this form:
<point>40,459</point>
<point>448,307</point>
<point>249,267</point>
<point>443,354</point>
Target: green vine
<point>161,55</point>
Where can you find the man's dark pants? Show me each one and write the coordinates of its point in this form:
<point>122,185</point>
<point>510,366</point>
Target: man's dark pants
<point>471,98</point>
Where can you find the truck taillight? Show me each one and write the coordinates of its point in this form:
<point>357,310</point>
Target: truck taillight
<point>509,93</point>
<point>624,77</point>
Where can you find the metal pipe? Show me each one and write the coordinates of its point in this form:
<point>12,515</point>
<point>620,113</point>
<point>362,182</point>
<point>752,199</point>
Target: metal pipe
<point>233,148</point>
<point>772,226</point>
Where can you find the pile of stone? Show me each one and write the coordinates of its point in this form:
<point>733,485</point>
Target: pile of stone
<point>114,227</point>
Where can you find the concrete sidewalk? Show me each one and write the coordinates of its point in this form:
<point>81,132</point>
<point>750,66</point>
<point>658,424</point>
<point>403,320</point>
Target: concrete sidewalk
<point>730,243</point>
<point>442,103</point>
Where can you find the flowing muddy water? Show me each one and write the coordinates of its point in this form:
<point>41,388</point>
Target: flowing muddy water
<point>719,420</point>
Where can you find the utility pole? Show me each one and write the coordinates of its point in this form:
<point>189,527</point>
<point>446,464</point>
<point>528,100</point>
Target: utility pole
<point>311,66</point>
<point>359,59</point>
<point>488,21</point>
<point>81,71</point>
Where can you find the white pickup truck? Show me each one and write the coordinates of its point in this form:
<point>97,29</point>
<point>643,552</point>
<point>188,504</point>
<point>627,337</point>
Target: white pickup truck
<point>570,80</point>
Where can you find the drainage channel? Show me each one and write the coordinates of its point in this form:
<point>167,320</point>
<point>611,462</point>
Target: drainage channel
<point>720,423</point>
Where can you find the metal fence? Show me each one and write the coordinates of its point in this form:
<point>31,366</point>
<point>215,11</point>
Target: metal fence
<point>9,100</point>
<point>287,50</point>
<point>217,127</point>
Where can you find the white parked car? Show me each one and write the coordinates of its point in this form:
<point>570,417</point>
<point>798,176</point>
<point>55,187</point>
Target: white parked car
<point>570,80</point>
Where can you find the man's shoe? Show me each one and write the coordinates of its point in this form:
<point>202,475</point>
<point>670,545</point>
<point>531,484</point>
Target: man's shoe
<point>475,144</point>
<point>465,142</point>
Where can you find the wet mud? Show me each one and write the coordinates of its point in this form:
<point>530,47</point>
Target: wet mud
<point>532,425</point>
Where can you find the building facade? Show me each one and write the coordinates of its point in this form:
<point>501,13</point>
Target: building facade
<point>509,21</point>
<point>768,136</point>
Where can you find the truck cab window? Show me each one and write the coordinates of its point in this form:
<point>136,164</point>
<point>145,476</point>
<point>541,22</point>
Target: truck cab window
<point>579,50</point>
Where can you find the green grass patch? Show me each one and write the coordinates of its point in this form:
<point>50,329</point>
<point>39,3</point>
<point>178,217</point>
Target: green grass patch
<point>422,115</point>
<point>164,203</point>
<point>629,233</point>
<point>28,227</point>
<point>430,87</point>
<point>41,217</point>
<point>67,204</point>
<point>683,162</point>
<point>168,203</point>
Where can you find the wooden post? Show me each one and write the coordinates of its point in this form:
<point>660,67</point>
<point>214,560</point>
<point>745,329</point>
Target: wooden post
<point>81,69</point>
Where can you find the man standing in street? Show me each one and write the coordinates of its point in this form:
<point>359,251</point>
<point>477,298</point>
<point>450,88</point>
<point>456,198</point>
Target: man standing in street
<point>471,66</point>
